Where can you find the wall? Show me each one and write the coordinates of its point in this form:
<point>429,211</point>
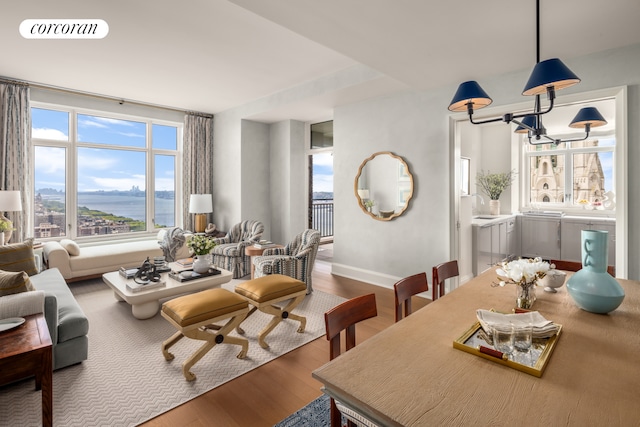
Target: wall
<point>411,126</point>
<point>288,180</point>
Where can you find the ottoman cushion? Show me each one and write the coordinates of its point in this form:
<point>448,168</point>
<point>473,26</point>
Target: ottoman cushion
<point>270,287</point>
<point>199,307</point>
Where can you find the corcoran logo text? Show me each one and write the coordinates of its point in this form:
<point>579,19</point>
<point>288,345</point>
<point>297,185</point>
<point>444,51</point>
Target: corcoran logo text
<point>64,29</point>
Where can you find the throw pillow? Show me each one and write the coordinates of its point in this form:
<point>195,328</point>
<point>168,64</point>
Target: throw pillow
<point>18,257</point>
<point>70,246</point>
<point>14,283</point>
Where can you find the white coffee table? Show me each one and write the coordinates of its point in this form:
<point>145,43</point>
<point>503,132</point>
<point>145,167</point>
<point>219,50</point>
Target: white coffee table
<point>146,303</point>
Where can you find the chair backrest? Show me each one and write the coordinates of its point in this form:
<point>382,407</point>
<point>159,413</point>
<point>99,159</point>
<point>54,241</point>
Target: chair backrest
<point>246,230</point>
<point>344,318</point>
<point>442,272</point>
<point>309,239</point>
<point>575,266</point>
<point>405,288</point>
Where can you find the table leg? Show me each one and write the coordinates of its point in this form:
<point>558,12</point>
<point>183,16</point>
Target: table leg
<point>145,310</point>
<point>47,387</point>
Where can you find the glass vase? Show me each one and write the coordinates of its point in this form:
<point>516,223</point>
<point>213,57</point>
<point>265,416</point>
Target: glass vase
<point>525,295</point>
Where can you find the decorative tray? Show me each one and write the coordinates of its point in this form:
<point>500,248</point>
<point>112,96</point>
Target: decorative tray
<point>186,275</point>
<point>476,341</point>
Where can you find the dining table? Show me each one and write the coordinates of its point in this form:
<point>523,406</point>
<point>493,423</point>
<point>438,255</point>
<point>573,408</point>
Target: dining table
<point>410,374</point>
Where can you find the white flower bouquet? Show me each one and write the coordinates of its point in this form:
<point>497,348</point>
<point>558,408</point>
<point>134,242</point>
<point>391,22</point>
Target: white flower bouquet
<point>200,245</point>
<point>525,274</point>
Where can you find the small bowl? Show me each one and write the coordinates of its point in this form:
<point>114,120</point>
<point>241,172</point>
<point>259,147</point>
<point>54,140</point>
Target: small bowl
<point>554,279</point>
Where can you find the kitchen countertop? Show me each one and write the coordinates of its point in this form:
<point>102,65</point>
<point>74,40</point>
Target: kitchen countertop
<point>481,220</point>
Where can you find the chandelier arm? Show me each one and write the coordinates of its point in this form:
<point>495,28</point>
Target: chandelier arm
<point>481,122</point>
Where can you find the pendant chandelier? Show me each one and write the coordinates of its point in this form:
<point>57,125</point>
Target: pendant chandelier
<point>547,76</point>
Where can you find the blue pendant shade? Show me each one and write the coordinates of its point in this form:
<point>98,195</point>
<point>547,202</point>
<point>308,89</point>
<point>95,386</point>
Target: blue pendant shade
<point>529,121</point>
<point>588,116</point>
<point>469,92</point>
<point>551,72</point>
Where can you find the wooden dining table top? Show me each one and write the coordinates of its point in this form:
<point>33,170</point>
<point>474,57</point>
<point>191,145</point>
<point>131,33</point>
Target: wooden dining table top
<point>411,375</point>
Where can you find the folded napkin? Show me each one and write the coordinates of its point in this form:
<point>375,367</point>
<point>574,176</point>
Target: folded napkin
<point>542,328</point>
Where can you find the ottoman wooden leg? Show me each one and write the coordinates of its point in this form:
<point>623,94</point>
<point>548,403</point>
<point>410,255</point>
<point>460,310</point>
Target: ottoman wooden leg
<point>169,343</point>
<point>212,338</point>
<point>279,314</point>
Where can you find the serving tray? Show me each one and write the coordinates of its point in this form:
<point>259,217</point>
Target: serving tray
<point>476,341</point>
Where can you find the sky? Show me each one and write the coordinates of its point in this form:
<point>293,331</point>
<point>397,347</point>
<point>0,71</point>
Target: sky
<point>101,168</point>
<point>323,172</point>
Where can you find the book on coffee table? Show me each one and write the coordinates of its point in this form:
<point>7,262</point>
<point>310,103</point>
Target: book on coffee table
<point>128,273</point>
<point>185,262</point>
<point>137,287</point>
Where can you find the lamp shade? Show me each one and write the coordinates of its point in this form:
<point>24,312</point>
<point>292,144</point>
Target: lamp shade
<point>551,72</point>
<point>363,193</point>
<point>200,203</point>
<point>529,121</point>
<point>588,116</point>
<point>469,92</point>
<point>10,201</point>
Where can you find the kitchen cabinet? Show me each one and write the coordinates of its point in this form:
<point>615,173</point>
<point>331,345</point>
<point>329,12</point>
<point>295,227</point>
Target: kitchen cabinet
<point>571,249</point>
<point>493,242</point>
<point>540,237</point>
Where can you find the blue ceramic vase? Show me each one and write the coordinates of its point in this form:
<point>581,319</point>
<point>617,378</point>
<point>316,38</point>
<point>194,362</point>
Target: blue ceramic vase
<point>592,288</point>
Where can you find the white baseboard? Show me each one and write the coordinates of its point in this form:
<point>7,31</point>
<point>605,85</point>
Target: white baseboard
<point>379,279</point>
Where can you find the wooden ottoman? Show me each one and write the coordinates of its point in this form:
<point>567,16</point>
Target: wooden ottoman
<point>194,316</point>
<point>266,291</point>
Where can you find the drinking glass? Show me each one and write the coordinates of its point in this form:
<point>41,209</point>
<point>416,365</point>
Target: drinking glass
<point>503,338</point>
<point>522,336</point>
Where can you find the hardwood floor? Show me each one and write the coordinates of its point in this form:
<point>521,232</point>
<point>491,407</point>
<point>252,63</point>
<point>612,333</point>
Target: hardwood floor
<point>277,389</point>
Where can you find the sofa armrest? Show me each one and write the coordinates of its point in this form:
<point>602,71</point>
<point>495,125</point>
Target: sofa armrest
<point>55,256</point>
<point>22,304</point>
<point>51,315</point>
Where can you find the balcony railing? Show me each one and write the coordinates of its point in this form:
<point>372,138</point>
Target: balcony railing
<point>322,217</point>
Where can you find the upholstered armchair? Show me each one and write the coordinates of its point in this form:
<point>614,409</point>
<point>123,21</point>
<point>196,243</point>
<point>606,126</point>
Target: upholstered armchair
<point>229,250</point>
<point>295,260</point>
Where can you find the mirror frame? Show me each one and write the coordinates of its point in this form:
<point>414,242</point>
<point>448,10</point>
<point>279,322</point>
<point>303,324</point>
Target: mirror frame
<point>409,179</point>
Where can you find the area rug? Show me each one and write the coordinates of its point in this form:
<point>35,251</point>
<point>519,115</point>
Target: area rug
<point>315,414</point>
<point>126,380</point>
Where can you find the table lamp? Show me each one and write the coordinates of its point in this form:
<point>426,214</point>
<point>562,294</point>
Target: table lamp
<point>9,202</point>
<point>200,205</point>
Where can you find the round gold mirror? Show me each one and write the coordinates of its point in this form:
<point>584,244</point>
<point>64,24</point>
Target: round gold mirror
<point>383,186</point>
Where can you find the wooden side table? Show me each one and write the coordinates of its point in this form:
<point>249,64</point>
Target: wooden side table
<point>253,251</point>
<point>26,351</point>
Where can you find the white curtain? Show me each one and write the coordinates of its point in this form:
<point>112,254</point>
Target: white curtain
<point>15,146</point>
<point>198,161</point>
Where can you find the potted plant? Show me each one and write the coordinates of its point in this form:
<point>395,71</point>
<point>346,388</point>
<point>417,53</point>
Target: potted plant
<point>493,184</point>
<point>201,247</point>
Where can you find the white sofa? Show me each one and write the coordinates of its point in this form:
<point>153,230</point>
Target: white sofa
<point>93,261</point>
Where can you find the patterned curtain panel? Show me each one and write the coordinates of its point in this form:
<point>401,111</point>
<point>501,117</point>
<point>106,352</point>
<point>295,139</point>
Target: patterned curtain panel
<point>198,160</point>
<point>15,140</point>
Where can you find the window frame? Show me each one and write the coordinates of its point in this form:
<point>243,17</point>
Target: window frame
<point>567,205</point>
<point>71,173</point>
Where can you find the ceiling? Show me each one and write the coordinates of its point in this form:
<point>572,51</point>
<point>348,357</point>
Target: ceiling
<point>214,55</point>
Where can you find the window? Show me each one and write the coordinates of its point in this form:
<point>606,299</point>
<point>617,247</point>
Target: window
<point>98,174</point>
<point>574,175</point>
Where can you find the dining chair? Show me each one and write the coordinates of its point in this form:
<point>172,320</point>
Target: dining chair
<point>442,272</point>
<point>575,266</point>
<point>405,288</point>
<point>344,318</point>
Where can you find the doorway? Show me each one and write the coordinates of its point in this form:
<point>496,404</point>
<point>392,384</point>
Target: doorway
<point>320,194</point>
